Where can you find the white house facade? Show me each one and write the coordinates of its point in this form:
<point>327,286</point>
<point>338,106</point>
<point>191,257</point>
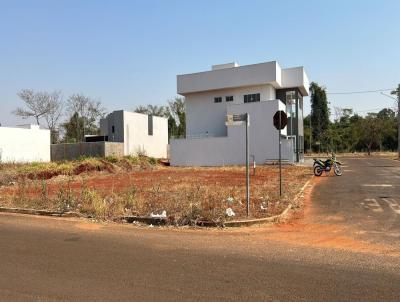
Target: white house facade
<point>139,132</point>
<point>23,144</point>
<point>259,90</point>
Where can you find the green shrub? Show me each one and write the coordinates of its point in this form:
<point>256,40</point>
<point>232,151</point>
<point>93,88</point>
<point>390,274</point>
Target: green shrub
<point>134,160</point>
<point>152,161</point>
<point>92,203</point>
<point>112,159</point>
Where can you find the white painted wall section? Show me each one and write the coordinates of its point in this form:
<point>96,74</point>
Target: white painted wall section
<point>248,75</point>
<point>230,150</point>
<point>206,118</point>
<point>137,138</point>
<point>296,77</point>
<point>24,144</point>
<point>132,129</point>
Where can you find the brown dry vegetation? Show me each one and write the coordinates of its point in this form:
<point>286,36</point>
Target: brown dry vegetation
<point>108,188</point>
<point>385,154</point>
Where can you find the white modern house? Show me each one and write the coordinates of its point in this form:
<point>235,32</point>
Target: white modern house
<point>138,132</point>
<point>24,143</point>
<point>259,90</point>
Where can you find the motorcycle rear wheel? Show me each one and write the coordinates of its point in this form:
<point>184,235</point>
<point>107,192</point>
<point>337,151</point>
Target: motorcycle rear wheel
<point>318,171</point>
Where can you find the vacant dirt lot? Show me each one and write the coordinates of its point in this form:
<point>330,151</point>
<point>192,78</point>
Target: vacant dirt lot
<point>186,194</point>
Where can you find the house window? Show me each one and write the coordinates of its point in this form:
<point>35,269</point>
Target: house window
<point>229,98</point>
<point>250,98</point>
<point>112,129</point>
<point>150,125</point>
<point>218,100</point>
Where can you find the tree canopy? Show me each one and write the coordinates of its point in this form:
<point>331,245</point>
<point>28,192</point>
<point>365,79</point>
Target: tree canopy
<point>174,111</point>
<point>319,113</point>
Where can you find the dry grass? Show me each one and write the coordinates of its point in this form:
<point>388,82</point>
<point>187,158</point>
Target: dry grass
<point>121,187</point>
<point>385,154</point>
<point>12,172</point>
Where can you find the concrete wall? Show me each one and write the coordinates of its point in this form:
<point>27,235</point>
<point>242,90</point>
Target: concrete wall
<point>96,149</point>
<point>295,77</point>
<point>131,129</point>
<point>114,120</point>
<point>206,118</point>
<point>230,150</point>
<point>227,76</point>
<point>241,76</point>
<point>24,144</point>
<point>137,138</point>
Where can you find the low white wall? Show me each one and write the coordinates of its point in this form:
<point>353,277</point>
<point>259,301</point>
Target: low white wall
<point>24,144</point>
<point>230,150</point>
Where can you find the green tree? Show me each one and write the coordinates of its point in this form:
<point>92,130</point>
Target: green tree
<point>153,110</point>
<point>319,112</point>
<point>389,133</point>
<point>368,132</point>
<point>73,128</point>
<point>84,116</point>
<point>175,112</point>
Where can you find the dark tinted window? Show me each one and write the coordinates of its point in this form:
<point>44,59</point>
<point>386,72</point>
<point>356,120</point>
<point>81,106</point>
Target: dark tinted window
<point>250,98</point>
<point>218,100</point>
<point>229,98</point>
<point>150,124</point>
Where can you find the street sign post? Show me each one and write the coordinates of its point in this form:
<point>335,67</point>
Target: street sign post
<point>280,122</point>
<point>235,120</point>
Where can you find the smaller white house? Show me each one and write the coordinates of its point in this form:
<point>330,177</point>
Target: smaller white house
<point>138,132</point>
<point>25,143</point>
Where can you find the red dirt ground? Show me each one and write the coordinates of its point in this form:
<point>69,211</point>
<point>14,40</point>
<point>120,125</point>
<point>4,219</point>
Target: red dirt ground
<point>170,176</point>
<point>177,190</point>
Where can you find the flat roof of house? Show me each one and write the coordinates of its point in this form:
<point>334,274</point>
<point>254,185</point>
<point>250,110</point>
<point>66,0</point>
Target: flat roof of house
<point>231,75</point>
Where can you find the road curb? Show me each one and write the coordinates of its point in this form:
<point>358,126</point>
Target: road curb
<point>142,219</point>
<point>250,222</point>
<point>39,212</point>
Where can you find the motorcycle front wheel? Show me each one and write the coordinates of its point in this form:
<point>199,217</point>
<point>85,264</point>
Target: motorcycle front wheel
<point>338,170</point>
<point>318,171</point>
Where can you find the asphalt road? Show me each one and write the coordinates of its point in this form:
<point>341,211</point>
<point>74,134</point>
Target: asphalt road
<point>328,255</point>
<point>366,199</point>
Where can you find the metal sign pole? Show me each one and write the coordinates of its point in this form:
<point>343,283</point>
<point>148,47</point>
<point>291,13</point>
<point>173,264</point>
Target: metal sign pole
<point>238,119</point>
<point>280,161</point>
<point>247,166</point>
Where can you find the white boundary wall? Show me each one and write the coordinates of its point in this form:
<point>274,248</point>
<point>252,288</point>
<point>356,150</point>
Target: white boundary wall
<point>24,144</point>
<point>230,149</point>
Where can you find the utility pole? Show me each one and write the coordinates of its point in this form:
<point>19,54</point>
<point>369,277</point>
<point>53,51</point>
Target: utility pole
<point>397,91</point>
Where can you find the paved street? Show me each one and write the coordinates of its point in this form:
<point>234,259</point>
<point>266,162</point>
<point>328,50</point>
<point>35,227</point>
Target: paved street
<point>343,247</point>
<point>366,200</point>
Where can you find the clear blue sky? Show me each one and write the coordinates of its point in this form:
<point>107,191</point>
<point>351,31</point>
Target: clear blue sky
<point>127,53</point>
